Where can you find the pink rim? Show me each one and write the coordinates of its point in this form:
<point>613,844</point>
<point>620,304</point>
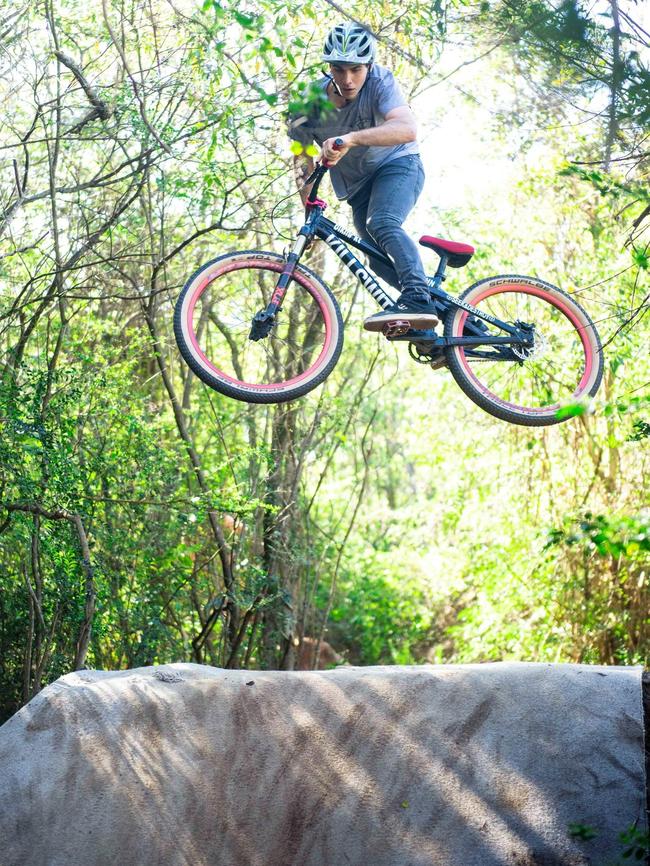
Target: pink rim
<point>558,304</point>
<point>267,266</point>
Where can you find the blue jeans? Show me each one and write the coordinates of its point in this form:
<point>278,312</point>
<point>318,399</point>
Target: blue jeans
<point>379,208</point>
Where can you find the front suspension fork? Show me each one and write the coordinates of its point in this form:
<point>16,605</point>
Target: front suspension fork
<point>287,272</point>
<point>264,320</point>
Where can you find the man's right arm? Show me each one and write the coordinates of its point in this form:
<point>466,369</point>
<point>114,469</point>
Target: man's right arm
<point>303,166</point>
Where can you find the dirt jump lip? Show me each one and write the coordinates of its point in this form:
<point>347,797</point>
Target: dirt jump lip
<point>450,765</point>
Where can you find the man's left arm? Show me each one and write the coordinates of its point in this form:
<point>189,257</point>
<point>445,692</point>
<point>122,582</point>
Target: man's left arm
<point>398,128</point>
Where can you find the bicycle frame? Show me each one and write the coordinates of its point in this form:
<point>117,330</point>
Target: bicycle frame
<point>335,236</point>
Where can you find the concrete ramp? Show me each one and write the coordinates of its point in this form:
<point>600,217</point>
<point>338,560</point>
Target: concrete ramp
<point>185,765</point>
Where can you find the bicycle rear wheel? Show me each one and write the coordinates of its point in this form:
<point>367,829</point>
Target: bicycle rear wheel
<point>524,385</point>
<point>213,318</point>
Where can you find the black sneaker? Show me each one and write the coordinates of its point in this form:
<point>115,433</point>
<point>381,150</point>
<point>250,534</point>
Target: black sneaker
<point>416,314</point>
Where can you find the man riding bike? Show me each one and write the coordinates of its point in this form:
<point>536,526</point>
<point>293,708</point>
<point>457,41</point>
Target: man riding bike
<point>377,170</point>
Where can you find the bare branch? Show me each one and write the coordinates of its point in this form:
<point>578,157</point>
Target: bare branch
<point>136,86</point>
<point>614,84</point>
<point>101,109</point>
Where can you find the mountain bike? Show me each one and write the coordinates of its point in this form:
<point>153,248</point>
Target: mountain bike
<point>263,328</point>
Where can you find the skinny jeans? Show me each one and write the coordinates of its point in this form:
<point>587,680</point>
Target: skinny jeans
<point>379,208</point>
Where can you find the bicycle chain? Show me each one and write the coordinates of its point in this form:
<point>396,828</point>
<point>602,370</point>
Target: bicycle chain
<point>423,359</point>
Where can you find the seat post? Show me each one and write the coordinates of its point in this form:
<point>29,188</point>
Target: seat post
<point>439,275</point>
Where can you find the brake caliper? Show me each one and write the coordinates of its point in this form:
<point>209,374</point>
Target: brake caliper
<point>532,345</point>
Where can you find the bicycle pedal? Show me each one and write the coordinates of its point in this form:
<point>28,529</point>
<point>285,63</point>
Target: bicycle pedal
<point>395,329</point>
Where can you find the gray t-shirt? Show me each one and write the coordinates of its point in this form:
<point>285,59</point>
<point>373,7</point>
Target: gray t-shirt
<point>379,94</point>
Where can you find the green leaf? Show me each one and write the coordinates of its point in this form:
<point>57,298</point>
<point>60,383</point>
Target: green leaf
<point>572,410</point>
<point>582,832</point>
<point>246,21</point>
<point>640,430</point>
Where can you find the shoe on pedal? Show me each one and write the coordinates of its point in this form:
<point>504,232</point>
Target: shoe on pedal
<point>418,315</point>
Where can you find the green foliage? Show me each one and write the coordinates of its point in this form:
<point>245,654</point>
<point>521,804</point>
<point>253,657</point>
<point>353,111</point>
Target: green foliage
<point>382,614</point>
<point>307,98</point>
<point>607,184</point>
<point>641,430</point>
<point>586,597</point>
<point>625,537</point>
<point>564,31</point>
<point>628,414</point>
<point>50,421</point>
<point>635,842</point>
<point>572,410</point>
<point>582,832</point>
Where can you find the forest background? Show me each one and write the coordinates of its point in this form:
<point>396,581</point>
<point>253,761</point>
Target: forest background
<point>146,519</point>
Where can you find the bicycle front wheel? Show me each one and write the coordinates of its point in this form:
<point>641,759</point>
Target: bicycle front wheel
<point>213,320</point>
<point>534,386</point>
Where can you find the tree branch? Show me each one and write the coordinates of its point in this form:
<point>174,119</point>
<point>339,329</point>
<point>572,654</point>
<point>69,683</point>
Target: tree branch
<point>100,108</point>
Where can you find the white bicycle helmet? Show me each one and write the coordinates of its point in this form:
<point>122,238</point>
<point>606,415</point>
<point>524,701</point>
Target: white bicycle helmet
<point>349,43</point>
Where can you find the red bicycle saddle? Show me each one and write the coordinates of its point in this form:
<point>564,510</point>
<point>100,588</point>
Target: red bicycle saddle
<point>458,254</point>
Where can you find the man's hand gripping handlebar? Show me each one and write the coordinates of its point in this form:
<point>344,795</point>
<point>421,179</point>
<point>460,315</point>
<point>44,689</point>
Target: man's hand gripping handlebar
<point>316,176</point>
<point>339,144</point>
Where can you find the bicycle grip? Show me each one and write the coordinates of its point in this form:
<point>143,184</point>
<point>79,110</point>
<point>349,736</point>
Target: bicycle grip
<point>338,145</point>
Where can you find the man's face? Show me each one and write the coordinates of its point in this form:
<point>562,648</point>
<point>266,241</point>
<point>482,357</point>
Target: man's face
<point>349,77</point>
